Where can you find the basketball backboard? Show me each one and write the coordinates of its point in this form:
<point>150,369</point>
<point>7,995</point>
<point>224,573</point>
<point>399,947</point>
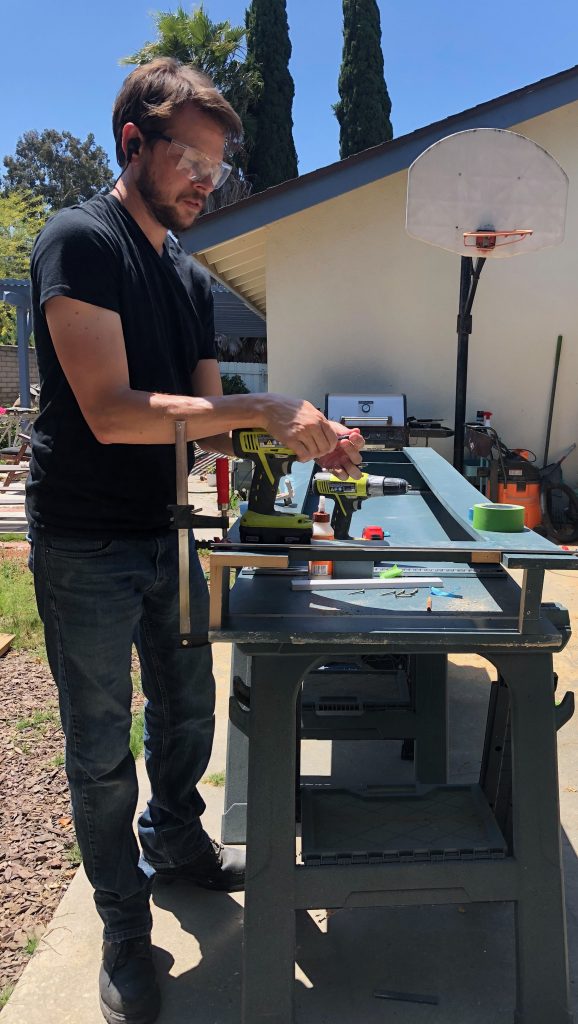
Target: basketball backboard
<point>487,192</point>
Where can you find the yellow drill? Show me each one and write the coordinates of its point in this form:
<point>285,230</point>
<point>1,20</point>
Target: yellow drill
<point>262,523</point>
<point>349,495</point>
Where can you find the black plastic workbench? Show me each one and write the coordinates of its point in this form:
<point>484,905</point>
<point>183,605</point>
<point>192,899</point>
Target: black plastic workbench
<point>496,841</point>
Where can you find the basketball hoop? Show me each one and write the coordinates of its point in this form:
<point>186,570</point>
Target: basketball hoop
<point>471,185</point>
<point>484,240</point>
<point>458,190</point>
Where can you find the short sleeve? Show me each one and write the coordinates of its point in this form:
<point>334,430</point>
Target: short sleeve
<point>207,346</point>
<point>73,257</point>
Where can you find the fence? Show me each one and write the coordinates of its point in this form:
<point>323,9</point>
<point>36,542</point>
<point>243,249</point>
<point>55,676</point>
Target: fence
<point>9,382</point>
<point>253,374</point>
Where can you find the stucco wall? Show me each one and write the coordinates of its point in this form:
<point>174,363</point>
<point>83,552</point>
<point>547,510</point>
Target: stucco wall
<point>384,308</point>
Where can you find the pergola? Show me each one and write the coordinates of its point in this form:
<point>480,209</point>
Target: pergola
<point>17,293</point>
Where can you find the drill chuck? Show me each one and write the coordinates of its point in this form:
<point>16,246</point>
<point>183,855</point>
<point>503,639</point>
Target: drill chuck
<point>377,485</point>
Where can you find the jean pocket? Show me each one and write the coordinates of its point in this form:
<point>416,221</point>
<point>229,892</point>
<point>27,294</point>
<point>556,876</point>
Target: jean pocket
<point>76,547</point>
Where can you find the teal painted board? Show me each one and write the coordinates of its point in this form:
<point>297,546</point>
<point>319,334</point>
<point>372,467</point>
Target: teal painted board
<point>438,514</point>
<point>458,496</point>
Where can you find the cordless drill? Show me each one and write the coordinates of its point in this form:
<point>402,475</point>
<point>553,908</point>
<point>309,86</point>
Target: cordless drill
<point>262,523</point>
<point>349,495</point>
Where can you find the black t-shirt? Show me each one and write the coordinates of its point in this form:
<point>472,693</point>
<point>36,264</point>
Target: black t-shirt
<point>98,254</point>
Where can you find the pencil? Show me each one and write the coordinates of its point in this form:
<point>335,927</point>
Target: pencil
<point>428,605</point>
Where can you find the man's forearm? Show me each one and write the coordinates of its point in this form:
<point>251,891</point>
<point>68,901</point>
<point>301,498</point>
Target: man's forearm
<point>89,344</point>
<point>125,416</point>
<point>140,417</point>
<point>222,444</point>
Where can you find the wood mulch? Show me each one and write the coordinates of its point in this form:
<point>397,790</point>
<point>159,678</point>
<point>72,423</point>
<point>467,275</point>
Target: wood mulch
<point>36,831</point>
<point>37,840</point>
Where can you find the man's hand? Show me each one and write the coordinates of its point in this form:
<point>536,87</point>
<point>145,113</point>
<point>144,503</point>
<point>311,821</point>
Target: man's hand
<point>344,460</point>
<point>305,430</point>
<point>299,425</point>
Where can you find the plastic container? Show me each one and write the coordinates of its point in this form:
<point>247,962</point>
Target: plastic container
<point>322,530</point>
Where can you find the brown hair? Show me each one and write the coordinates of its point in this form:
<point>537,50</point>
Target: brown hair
<point>153,92</point>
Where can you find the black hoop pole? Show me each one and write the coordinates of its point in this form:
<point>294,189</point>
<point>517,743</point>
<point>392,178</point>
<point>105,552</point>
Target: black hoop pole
<point>469,277</point>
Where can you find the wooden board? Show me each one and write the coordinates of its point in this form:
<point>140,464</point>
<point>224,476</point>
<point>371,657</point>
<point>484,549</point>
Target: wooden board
<point>6,642</point>
<point>486,556</point>
<point>242,560</point>
<point>221,562</point>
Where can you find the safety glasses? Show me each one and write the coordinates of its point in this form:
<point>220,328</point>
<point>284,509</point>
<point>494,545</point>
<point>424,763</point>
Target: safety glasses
<point>196,165</point>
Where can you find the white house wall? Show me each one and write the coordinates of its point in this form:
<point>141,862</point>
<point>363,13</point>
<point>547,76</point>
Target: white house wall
<point>384,310</point>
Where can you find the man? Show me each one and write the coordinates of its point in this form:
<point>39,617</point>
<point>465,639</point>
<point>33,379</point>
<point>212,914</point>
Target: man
<point>123,322</point>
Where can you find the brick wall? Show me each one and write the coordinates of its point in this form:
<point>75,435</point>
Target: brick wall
<point>9,385</point>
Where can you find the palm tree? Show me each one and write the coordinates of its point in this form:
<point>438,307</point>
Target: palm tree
<point>218,49</point>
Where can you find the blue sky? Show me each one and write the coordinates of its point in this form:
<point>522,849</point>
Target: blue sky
<point>59,66</point>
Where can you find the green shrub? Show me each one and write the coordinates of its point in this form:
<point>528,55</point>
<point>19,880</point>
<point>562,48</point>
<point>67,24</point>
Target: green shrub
<point>233,384</point>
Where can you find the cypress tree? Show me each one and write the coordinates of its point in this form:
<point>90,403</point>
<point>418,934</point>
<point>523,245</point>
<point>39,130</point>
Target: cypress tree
<point>271,150</point>
<point>364,106</point>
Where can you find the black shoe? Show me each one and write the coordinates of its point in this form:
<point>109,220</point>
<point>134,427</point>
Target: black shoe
<point>129,992</point>
<point>218,867</point>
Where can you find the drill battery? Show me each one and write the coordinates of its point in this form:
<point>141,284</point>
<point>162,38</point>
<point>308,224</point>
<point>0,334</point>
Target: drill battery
<point>275,528</point>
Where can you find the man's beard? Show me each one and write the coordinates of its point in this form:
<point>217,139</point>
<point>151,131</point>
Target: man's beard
<point>167,214</point>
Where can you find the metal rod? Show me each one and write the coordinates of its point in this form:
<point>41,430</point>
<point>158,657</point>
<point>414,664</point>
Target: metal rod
<point>552,397</point>
<point>182,467</point>
<point>368,584</point>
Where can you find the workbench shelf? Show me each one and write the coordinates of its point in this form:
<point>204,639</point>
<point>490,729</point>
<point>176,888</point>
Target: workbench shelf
<point>430,824</point>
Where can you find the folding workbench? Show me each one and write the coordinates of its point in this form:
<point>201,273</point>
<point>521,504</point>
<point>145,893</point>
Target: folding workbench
<point>436,843</point>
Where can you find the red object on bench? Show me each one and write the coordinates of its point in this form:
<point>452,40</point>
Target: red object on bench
<point>372,533</point>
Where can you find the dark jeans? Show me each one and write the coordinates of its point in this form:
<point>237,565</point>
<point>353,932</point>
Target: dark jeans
<point>95,599</point>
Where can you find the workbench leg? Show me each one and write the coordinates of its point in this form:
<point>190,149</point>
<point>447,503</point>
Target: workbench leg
<point>431,706</point>
<point>234,820</point>
<point>541,944</point>
<point>496,766</point>
<point>269,932</point>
